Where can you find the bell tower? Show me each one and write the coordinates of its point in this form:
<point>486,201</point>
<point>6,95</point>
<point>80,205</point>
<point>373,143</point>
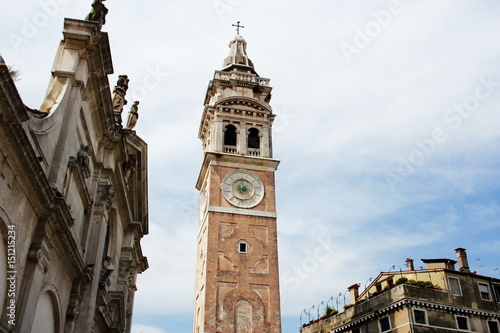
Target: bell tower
<point>237,285</point>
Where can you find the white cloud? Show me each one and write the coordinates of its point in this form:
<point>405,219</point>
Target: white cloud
<point>138,328</point>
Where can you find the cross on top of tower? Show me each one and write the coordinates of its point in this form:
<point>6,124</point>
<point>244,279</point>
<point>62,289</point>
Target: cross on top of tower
<point>238,26</point>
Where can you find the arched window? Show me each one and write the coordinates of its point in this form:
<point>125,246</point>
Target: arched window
<point>230,135</point>
<point>253,138</point>
<point>44,321</point>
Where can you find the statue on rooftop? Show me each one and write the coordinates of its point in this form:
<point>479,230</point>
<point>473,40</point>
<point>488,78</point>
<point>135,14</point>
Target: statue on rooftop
<point>98,12</point>
<point>119,100</point>
<point>133,115</point>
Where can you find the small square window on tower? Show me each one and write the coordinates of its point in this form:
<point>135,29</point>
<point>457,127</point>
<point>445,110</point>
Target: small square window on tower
<point>242,247</point>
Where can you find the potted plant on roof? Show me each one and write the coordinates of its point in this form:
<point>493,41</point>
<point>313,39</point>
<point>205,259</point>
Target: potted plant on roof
<point>329,311</point>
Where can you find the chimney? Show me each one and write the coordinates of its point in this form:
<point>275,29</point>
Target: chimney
<point>409,264</point>
<point>353,293</point>
<point>463,264</point>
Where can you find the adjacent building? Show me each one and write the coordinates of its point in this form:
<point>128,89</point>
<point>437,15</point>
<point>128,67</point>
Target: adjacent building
<point>437,298</point>
<point>73,194</point>
<point>237,285</point>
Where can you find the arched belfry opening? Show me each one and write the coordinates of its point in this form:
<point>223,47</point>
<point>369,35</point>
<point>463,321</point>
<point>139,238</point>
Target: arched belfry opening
<point>230,139</point>
<point>253,138</point>
<point>230,135</point>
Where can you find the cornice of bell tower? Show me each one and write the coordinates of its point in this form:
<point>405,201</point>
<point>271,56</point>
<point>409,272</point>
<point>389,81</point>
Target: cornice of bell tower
<point>237,118</point>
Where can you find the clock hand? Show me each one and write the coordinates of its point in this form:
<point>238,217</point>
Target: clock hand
<point>242,188</point>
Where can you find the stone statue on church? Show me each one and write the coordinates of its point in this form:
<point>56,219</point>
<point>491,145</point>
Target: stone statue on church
<point>119,100</point>
<point>129,168</point>
<point>98,12</point>
<point>106,270</point>
<point>83,157</point>
<point>133,115</point>
<point>83,160</point>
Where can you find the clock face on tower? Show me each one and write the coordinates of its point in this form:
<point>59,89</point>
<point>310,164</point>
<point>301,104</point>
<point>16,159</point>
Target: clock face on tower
<point>242,189</point>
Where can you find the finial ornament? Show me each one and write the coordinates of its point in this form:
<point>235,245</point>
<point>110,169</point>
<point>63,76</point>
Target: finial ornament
<point>238,26</point>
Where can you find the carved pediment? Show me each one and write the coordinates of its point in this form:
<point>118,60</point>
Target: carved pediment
<point>247,103</point>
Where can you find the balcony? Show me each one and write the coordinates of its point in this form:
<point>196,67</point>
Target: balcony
<point>231,149</point>
<point>220,75</point>
<point>253,152</point>
<point>234,150</point>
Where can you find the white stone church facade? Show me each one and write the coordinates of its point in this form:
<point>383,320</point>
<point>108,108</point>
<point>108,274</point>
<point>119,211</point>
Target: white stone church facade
<point>73,195</point>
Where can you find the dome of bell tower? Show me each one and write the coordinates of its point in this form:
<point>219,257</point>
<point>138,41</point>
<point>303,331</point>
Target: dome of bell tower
<point>238,59</point>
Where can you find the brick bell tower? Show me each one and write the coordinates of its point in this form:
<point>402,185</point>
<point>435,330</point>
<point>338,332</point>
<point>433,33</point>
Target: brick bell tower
<point>237,285</point>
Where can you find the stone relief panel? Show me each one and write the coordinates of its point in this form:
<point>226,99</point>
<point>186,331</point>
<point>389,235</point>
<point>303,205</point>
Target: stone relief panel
<point>226,264</point>
<point>199,319</point>
<point>227,260</point>
<point>260,266</point>
<point>260,233</point>
<point>238,307</point>
<point>201,262</point>
<point>223,289</point>
<point>263,292</point>
<point>203,201</point>
<point>227,230</point>
<point>255,258</point>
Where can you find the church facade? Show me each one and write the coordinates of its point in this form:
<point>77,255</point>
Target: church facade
<point>73,194</point>
<point>237,285</point>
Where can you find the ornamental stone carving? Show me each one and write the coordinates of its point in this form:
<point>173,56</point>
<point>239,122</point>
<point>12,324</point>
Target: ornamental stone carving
<point>98,12</point>
<point>133,116</point>
<point>105,272</point>
<point>129,168</point>
<point>106,196</point>
<point>119,100</point>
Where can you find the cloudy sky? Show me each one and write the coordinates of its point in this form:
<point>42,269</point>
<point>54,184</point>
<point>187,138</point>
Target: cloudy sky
<point>387,131</point>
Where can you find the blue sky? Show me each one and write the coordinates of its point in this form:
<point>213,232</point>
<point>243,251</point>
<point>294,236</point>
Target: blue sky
<point>387,129</point>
